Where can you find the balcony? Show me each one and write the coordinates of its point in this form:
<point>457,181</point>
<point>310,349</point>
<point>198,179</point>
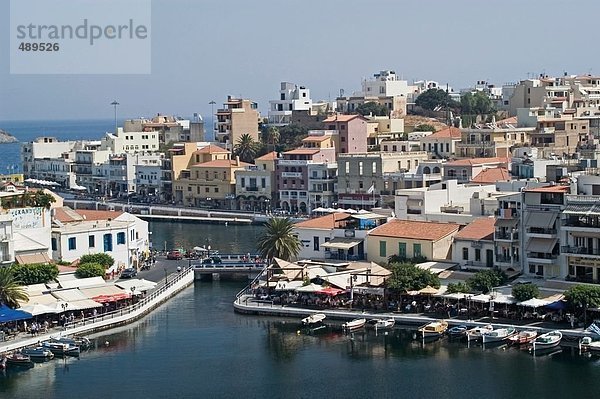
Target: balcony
<point>296,175</point>
<point>541,232</point>
<point>506,259</point>
<point>580,250</point>
<point>540,257</point>
<point>506,236</point>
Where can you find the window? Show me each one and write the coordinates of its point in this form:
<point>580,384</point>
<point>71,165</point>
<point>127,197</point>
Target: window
<point>54,246</point>
<point>316,243</point>
<point>207,189</point>
<point>360,168</point>
<point>465,253</point>
<point>477,255</point>
<point>108,245</point>
<point>382,249</point>
<point>402,249</point>
<point>347,167</point>
<point>91,241</point>
<point>216,189</point>
<point>120,238</point>
<point>72,244</point>
<point>374,167</point>
<point>416,250</point>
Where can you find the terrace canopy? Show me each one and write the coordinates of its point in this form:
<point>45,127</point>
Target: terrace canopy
<point>7,314</point>
<point>342,243</point>
<point>534,303</point>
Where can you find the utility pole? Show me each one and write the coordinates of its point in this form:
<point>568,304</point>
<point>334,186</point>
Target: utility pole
<point>115,104</point>
<point>212,118</point>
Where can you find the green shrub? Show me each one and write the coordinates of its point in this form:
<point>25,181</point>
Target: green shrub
<point>85,270</point>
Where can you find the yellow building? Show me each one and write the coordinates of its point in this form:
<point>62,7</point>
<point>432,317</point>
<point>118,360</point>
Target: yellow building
<point>409,239</point>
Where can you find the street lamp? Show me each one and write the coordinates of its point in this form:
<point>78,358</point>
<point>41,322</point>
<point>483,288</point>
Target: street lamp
<point>115,104</point>
<point>212,117</point>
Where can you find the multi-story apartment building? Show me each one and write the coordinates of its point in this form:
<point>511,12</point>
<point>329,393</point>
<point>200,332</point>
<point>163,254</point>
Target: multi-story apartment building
<point>291,98</point>
<point>255,185</point>
<point>168,128</point>
<point>464,170</point>
<point>507,234</point>
<point>237,117</point>
<point>443,143</point>
<point>322,185</point>
<point>351,132</point>
<point>492,139</point>
<point>130,142</point>
<point>148,173</point>
<point>425,174</point>
<point>540,227</point>
<point>115,177</point>
<point>361,176</point>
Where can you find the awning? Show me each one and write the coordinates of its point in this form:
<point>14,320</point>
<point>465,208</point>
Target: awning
<point>342,243</point>
<point>506,299</point>
<point>82,282</point>
<point>288,285</point>
<point>37,309</point>
<point>534,303</point>
<point>310,288</point>
<point>482,298</point>
<point>75,299</point>
<point>7,314</point>
<point>35,289</point>
<point>540,219</point>
<point>582,209</point>
<point>28,259</point>
<point>330,291</point>
<point>506,222</point>
<point>544,245</point>
<point>139,285</point>
<point>105,293</point>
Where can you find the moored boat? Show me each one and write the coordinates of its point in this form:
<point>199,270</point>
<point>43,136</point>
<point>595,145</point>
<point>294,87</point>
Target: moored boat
<point>354,324</point>
<point>18,359</point>
<point>61,349</point>
<point>384,324</point>
<point>313,319</point>
<point>81,342</point>
<point>498,335</point>
<point>547,340</point>
<point>38,352</point>
<point>474,333</point>
<point>523,337</point>
<point>434,329</point>
<point>457,331</point>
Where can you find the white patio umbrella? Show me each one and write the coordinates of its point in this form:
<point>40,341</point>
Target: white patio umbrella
<point>482,298</point>
<point>534,303</point>
<point>312,287</point>
<point>319,209</point>
<point>37,309</point>
<point>350,210</point>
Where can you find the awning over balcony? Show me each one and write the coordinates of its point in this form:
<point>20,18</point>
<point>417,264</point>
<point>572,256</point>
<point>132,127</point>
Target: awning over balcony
<point>342,243</point>
<point>544,245</point>
<point>540,219</point>
<point>506,222</point>
<point>27,259</point>
<point>582,209</point>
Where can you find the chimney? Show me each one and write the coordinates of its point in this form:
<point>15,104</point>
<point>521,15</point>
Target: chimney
<point>237,160</point>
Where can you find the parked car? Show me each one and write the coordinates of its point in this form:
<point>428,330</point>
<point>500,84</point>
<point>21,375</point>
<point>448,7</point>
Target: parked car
<point>129,273</point>
<point>174,255</point>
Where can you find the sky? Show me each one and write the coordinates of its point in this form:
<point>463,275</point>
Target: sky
<point>204,50</point>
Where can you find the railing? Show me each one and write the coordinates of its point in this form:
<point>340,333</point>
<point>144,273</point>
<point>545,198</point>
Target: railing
<point>146,302</point>
<point>505,259</point>
<point>579,250</point>
<point>542,255</point>
<point>506,236</point>
<point>539,230</point>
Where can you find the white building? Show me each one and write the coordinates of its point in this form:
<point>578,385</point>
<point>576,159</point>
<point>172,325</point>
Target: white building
<point>75,233</point>
<point>31,228</point>
<point>130,142</point>
<point>473,246</point>
<point>291,98</point>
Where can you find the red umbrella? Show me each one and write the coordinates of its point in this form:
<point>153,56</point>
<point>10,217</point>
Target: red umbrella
<point>330,291</point>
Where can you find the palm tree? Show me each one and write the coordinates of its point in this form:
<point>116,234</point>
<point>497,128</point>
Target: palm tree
<point>245,148</point>
<point>279,241</point>
<point>10,290</point>
<point>273,136</point>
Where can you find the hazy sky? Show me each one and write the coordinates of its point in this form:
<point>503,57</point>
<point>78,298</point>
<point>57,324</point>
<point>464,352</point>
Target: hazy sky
<point>203,50</point>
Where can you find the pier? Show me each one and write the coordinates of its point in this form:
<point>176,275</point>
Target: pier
<point>249,264</point>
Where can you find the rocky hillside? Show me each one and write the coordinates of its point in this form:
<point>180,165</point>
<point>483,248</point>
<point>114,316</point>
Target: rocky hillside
<point>6,137</point>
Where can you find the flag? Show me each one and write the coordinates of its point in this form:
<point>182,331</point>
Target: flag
<point>371,189</point>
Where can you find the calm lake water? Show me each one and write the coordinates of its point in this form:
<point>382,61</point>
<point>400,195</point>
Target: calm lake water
<point>195,346</point>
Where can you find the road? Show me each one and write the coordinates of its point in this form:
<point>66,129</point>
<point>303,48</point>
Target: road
<point>162,266</point>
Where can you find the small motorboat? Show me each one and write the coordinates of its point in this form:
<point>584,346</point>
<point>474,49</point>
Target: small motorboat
<point>384,324</point>
<point>545,341</point>
<point>457,331</point>
<point>81,342</point>
<point>313,319</point>
<point>498,335</point>
<point>355,324</point>
<point>474,334</point>
<point>61,349</point>
<point>523,337</point>
<point>18,359</point>
<point>38,352</point>
<point>434,329</point>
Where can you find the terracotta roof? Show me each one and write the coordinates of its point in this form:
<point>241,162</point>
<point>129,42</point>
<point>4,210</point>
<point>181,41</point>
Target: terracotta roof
<point>323,222</point>
<point>303,151</point>
<point>210,149</point>
<point>268,157</point>
<point>343,118</point>
<point>66,214</point>
<point>478,229</point>
<point>477,161</point>
<point>98,215</point>
<point>222,163</point>
<point>550,189</point>
<point>512,120</point>
<point>449,132</point>
<point>416,230</point>
<point>492,175</point>
<point>316,138</point>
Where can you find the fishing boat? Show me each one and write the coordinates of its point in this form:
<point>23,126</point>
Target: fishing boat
<point>523,337</point>
<point>384,324</point>
<point>457,331</point>
<point>474,334</point>
<point>18,359</point>
<point>434,329</point>
<point>313,319</point>
<point>61,349</point>
<point>498,335</point>
<point>81,342</point>
<point>38,352</point>
<point>355,324</point>
<point>548,340</point>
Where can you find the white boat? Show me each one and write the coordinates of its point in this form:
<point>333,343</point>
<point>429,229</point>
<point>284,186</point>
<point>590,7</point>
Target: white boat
<point>523,337</point>
<point>313,319</point>
<point>548,340</point>
<point>498,335</point>
<point>474,333</point>
<point>61,349</point>
<point>82,342</point>
<point>354,324</point>
<point>434,329</point>
<point>38,352</point>
<point>384,324</point>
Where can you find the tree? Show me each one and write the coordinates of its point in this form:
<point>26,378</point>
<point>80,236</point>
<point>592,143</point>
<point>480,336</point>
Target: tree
<point>525,292</point>
<point>85,270</point>
<point>583,296</point>
<point>271,136</point>
<point>434,98</point>
<point>279,241</point>
<point>103,259</point>
<point>477,103</point>
<point>291,136</point>
<point>245,148</point>
<point>485,280</point>
<point>408,277</point>
<point>372,108</point>
<point>424,127</point>
<point>455,288</point>
<point>37,273</point>
<point>42,199</point>
<point>11,291</point>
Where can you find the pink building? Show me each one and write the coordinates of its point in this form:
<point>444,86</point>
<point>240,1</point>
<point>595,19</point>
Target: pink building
<point>352,132</point>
